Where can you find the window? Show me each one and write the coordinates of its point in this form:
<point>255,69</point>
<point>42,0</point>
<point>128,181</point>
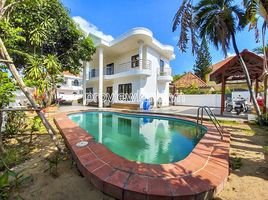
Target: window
<point>89,90</point>
<point>75,82</point>
<point>162,65</point>
<point>93,73</point>
<point>125,89</point>
<point>135,61</point>
<point>110,69</point>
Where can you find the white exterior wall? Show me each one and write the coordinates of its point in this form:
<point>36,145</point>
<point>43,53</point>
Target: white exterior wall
<point>149,84</point>
<point>211,100</point>
<point>162,88</point>
<point>244,94</point>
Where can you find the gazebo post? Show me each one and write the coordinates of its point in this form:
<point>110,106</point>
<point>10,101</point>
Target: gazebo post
<point>222,94</point>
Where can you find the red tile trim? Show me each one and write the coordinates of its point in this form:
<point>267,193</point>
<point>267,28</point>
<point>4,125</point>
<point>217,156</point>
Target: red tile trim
<point>202,173</point>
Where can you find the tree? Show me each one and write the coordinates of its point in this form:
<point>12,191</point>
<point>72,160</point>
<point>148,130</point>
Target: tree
<point>7,87</point>
<point>259,50</point>
<point>30,31</point>
<point>185,19</point>
<point>256,10</point>
<point>217,21</point>
<point>46,29</point>
<point>176,77</point>
<point>203,61</point>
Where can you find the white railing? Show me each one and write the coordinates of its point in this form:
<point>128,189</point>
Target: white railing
<point>124,67</point>
<point>137,64</point>
<point>164,72</point>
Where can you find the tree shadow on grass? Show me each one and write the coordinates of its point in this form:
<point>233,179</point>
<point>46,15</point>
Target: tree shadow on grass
<point>248,144</point>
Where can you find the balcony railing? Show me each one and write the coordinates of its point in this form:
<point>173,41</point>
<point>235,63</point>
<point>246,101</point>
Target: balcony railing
<point>137,64</point>
<point>164,72</point>
<point>124,67</point>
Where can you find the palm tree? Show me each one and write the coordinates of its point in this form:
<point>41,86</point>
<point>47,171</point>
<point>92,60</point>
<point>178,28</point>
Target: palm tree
<point>259,50</point>
<point>219,21</point>
<point>256,9</point>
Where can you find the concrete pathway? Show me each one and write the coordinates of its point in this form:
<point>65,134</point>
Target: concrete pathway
<point>175,110</point>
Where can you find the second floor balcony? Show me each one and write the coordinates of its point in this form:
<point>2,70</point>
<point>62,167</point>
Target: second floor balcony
<point>164,74</point>
<point>131,68</point>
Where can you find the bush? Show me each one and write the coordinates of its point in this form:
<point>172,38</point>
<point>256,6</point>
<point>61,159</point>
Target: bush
<point>236,163</point>
<point>14,155</point>
<point>15,122</point>
<point>265,119</point>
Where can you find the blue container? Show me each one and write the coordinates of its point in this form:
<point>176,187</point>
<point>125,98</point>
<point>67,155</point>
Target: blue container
<point>146,104</point>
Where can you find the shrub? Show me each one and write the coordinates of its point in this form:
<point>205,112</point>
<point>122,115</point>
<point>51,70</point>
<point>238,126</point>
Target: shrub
<point>236,163</point>
<point>16,122</point>
<point>265,119</point>
<point>36,126</point>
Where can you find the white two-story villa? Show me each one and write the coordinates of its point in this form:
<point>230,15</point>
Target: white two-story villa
<point>134,63</point>
<point>71,88</point>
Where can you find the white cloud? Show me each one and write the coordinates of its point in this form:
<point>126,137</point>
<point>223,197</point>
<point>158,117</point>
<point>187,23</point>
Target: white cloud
<point>88,27</point>
<point>230,54</point>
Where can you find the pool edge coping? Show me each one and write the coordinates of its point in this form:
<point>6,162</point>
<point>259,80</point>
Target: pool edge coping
<point>203,172</point>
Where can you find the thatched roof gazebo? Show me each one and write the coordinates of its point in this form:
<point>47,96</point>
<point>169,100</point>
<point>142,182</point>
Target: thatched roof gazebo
<point>230,70</point>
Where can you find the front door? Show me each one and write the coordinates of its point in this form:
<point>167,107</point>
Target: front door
<point>109,90</point>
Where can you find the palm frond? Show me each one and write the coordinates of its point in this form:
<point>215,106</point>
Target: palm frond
<point>184,19</point>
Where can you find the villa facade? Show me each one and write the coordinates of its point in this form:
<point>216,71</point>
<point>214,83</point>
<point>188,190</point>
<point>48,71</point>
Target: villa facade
<point>133,65</point>
<point>71,88</point>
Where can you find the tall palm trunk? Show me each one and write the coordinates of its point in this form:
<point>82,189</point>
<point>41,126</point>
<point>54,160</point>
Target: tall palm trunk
<point>245,69</point>
<point>4,54</point>
<point>265,67</point>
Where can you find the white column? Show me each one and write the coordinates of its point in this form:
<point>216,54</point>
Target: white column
<point>100,76</point>
<point>141,43</point>
<point>84,82</point>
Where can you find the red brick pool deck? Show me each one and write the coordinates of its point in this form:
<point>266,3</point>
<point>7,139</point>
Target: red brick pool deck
<point>200,175</point>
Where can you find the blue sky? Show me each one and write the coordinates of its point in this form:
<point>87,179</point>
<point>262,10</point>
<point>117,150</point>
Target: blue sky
<point>114,17</point>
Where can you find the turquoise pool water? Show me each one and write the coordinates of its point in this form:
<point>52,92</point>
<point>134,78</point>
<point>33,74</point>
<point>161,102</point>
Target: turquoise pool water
<point>147,139</point>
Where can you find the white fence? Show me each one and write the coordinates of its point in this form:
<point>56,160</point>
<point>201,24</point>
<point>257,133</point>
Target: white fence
<point>211,100</point>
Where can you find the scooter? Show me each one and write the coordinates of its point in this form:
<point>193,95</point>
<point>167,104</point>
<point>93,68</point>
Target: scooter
<point>229,105</point>
<point>241,105</point>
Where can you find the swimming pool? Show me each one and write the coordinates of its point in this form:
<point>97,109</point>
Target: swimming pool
<point>142,138</point>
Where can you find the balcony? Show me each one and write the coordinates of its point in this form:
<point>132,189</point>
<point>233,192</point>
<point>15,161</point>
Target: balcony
<point>132,68</point>
<point>164,75</point>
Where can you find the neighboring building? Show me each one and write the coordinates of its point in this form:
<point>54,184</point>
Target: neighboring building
<point>133,63</point>
<point>71,89</point>
<point>189,80</point>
